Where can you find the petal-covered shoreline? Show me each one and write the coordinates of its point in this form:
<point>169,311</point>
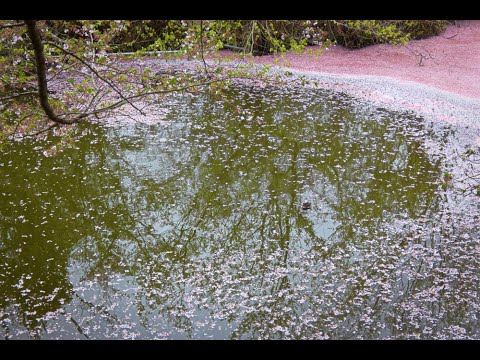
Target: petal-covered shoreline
<point>441,84</point>
<point>450,61</point>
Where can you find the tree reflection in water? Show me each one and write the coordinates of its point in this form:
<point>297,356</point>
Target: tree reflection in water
<point>195,229</point>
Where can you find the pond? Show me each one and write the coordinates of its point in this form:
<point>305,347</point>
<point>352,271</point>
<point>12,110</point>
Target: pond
<point>261,213</point>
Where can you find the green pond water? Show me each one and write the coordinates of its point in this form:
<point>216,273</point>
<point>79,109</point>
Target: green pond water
<point>197,226</point>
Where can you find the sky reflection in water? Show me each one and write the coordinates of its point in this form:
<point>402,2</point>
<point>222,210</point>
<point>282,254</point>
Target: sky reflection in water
<point>194,227</point>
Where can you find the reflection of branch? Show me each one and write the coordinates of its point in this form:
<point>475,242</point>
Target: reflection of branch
<point>97,308</point>
<point>78,327</point>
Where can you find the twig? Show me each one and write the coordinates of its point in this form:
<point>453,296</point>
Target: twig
<point>252,38</point>
<point>59,72</point>
<point>145,94</point>
<point>232,47</point>
<point>451,37</point>
<point>420,55</point>
<point>6,98</point>
<point>6,26</point>
<point>92,100</point>
<point>42,131</point>
<point>201,47</point>
<point>18,125</point>
<point>108,82</point>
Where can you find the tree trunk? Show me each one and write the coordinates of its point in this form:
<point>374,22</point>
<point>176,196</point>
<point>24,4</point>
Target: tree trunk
<point>37,43</point>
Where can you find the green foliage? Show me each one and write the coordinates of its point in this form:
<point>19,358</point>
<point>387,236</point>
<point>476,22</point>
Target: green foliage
<point>361,33</point>
<point>419,29</point>
<point>273,36</point>
<point>266,36</point>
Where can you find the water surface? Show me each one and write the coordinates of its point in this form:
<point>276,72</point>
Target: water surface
<point>195,227</point>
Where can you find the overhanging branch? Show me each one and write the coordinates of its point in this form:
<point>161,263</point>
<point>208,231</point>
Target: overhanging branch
<point>34,35</point>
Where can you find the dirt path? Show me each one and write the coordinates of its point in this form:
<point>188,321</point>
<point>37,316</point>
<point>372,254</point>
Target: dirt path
<point>450,61</point>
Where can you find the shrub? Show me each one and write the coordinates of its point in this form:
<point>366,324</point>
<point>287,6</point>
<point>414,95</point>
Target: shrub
<point>420,29</point>
<point>360,33</point>
<point>251,36</point>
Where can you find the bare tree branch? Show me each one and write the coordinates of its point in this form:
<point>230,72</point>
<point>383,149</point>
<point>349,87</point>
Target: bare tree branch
<point>44,130</point>
<point>92,69</point>
<point>145,94</point>
<point>76,116</point>
<point>11,97</point>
